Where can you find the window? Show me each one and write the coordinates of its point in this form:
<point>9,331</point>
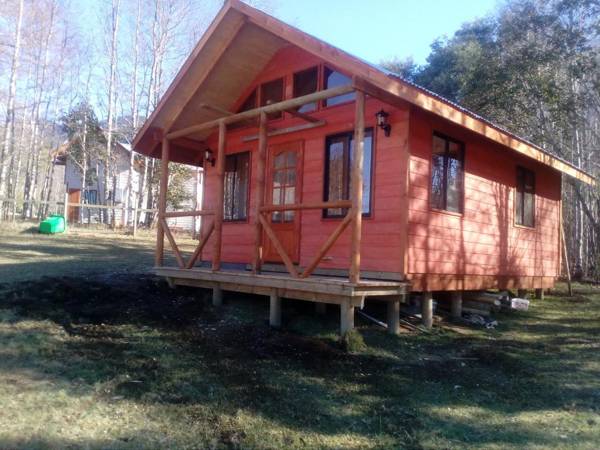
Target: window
<point>235,201</point>
<point>90,196</point>
<point>272,92</point>
<point>331,79</point>
<point>525,198</point>
<point>447,174</point>
<point>306,82</point>
<point>338,161</point>
<point>249,103</point>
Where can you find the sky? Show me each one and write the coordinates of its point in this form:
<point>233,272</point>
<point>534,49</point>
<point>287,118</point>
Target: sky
<point>381,29</point>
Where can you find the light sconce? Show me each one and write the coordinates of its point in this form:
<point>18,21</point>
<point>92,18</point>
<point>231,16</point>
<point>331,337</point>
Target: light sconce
<point>208,156</point>
<point>382,122</point>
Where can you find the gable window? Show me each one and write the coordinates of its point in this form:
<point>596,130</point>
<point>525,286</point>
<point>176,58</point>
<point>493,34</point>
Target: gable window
<point>525,198</point>
<point>338,163</point>
<point>272,92</point>
<point>235,201</point>
<point>447,174</point>
<point>249,103</point>
<point>306,82</point>
<point>332,78</point>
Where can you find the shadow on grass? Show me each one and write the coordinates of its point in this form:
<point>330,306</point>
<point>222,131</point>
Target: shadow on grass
<point>146,343</point>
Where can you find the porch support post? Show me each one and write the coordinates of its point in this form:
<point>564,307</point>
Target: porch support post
<point>259,191</point>
<point>162,203</point>
<point>217,296</point>
<point>357,186</point>
<point>427,309</point>
<point>539,294</point>
<point>346,317</point>
<point>218,220</point>
<point>275,310</point>
<point>393,315</point>
<point>456,304</point>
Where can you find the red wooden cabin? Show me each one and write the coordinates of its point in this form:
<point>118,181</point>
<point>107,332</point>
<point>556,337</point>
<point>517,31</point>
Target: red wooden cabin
<point>331,180</point>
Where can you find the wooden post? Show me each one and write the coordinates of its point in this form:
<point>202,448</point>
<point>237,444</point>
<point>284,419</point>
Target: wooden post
<point>321,308</point>
<point>427,309</point>
<point>162,203</point>
<point>357,186</point>
<point>566,256</point>
<point>217,296</point>
<point>539,294</point>
<point>346,317</point>
<point>521,293</point>
<point>275,311</point>
<point>259,191</point>
<point>456,305</point>
<point>220,192</point>
<point>393,316</point>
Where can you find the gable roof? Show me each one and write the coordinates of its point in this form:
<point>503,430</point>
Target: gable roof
<point>241,40</point>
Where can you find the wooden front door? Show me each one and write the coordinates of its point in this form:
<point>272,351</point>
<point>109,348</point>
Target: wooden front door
<point>284,187</point>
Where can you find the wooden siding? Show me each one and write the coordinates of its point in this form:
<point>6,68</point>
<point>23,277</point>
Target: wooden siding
<point>382,236</point>
<point>453,251</point>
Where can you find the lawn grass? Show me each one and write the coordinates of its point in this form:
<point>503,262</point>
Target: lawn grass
<point>121,361</point>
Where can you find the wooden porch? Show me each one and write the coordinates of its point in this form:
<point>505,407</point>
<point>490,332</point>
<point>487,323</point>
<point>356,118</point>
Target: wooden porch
<point>298,283</point>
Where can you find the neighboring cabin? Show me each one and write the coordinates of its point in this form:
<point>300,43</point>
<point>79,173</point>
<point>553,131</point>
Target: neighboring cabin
<point>450,202</point>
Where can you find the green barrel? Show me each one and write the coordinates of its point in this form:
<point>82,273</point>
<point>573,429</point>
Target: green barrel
<point>54,223</point>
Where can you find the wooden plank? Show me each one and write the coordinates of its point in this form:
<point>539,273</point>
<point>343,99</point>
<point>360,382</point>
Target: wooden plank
<point>357,186</point>
<point>200,246</point>
<point>275,310</point>
<point>327,245</point>
<point>427,309</point>
<point>220,193</point>
<point>286,130</point>
<point>277,244</point>
<point>313,205</point>
<point>259,192</point>
<point>186,214</point>
<point>268,109</point>
<point>162,202</point>
<point>171,239</point>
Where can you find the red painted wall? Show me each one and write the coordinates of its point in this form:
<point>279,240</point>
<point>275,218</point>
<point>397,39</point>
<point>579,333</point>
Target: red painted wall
<point>382,249</point>
<point>483,241</point>
<point>480,248</point>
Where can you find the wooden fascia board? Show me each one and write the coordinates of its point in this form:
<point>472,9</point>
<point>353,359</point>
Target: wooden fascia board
<point>182,71</point>
<point>404,91</point>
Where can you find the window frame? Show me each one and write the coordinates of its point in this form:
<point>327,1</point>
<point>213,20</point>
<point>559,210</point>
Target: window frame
<point>260,96</point>
<point>323,103</point>
<point>246,217</point>
<point>516,222</point>
<point>316,67</point>
<point>462,147</point>
<point>347,173</point>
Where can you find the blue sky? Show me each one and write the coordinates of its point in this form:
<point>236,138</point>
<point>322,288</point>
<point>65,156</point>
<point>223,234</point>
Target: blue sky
<point>380,29</point>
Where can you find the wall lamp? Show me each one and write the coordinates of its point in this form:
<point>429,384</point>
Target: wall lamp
<point>382,122</point>
<point>209,156</point>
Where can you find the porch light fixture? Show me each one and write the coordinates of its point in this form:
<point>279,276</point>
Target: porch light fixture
<point>208,156</point>
<point>382,122</point>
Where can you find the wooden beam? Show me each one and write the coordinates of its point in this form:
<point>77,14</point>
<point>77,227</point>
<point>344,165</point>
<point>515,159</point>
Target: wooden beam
<point>427,309</point>
<point>393,315</point>
<point>220,191</point>
<point>217,296</point>
<point>259,192</point>
<point>326,246</point>
<point>171,239</point>
<point>162,203</point>
<point>200,247</point>
<point>357,186</point>
<point>292,129</point>
<point>277,244</point>
<point>346,317</point>
<point>456,304</point>
<point>187,213</point>
<point>268,109</point>
<point>314,205</point>
<point>275,310</point>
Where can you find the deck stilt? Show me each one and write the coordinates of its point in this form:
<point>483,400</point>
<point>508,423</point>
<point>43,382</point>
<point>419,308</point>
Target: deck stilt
<point>346,317</point>
<point>393,316</point>
<point>427,309</point>
<point>456,305</point>
<point>217,296</point>
<point>321,308</point>
<point>522,293</point>
<point>539,294</point>
<point>275,311</point>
